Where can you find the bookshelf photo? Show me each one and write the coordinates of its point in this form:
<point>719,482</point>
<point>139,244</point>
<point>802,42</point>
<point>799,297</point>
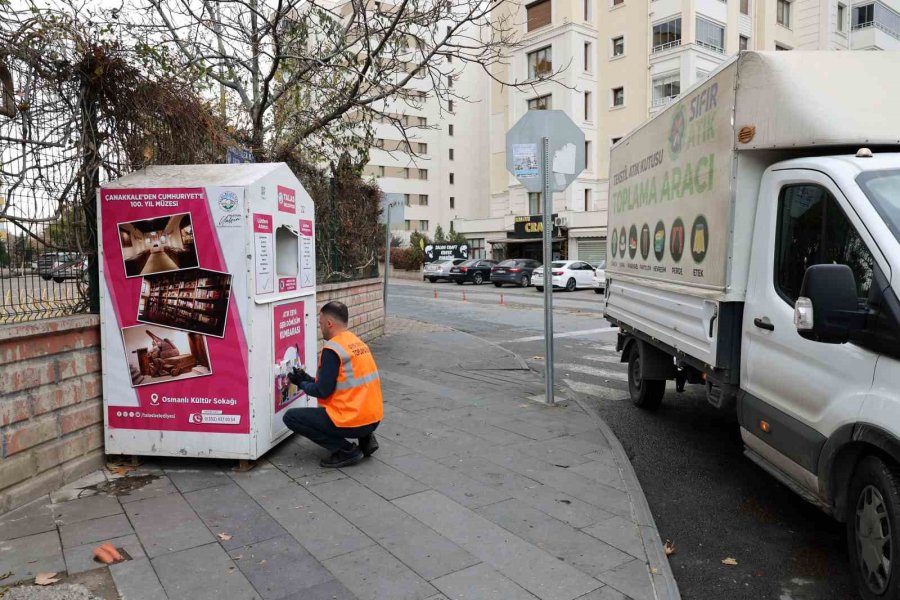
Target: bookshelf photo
<point>193,300</point>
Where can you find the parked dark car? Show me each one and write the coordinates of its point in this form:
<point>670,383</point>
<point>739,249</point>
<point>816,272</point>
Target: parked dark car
<point>440,269</point>
<point>515,270</point>
<point>476,270</point>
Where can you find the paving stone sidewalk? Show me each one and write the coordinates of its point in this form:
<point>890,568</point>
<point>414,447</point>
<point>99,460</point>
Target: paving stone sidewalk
<point>476,493</point>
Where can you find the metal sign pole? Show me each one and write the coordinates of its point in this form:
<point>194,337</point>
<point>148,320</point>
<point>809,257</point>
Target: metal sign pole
<point>547,198</point>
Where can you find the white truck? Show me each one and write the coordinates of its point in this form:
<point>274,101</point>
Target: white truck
<point>754,245</point>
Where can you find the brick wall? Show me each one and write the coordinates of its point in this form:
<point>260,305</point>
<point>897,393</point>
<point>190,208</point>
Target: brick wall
<point>51,414</point>
<point>365,300</point>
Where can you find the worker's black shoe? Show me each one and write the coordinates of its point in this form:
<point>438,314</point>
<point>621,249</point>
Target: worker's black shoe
<point>368,445</point>
<point>342,458</point>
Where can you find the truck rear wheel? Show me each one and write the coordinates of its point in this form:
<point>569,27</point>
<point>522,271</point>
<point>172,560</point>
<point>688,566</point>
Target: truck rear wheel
<point>645,393</point>
<point>873,529</point>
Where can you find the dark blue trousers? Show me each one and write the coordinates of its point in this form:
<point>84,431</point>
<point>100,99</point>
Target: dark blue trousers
<point>317,426</point>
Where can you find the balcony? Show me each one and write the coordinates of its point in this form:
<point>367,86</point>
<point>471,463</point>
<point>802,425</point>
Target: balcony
<point>666,46</point>
<point>710,47</point>
<point>663,101</point>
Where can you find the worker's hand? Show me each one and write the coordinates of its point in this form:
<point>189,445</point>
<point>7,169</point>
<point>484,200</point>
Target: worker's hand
<point>297,376</point>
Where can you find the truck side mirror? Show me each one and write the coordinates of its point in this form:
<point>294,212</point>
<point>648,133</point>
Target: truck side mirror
<point>828,310</point>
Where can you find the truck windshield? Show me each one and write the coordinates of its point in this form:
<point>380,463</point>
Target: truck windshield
<point>883,191</point>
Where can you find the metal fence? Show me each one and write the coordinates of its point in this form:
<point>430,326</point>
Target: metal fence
<point>46,236</point>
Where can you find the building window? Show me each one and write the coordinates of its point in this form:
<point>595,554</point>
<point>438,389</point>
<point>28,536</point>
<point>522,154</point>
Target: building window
<point>587,199</point>
<point>449,81</point>
<point>423,173</point>
<point>863,16</point>
<point>452,202</point>
<point>381,171</point>
<point>710,35</point>
<point>539,14</point>
<point>450,129</point>
<point>618,46</point>
<point>423,148</point>
<point>407,200</point>
<point>452,177</point>
<point>405,172</point>
<point>666,88</point>
<point>781,48</point>
<point>588,111</point>
<point>407,224</point>
<point>451,153</point>
<point>743,43</point>
<point>541,103</point>
<point>745,7</point>
<point>615,140</point>
<point>534,203</point>
<point>423,199</point>
<point>618,96</point>
<point>841,16</point>
<point>588,52</point>
<point>450,105</point>
<point>423,225</point>
<point>783,13</point>
<point>540,63</point>
<point>587,156</point>
<point>667,35</point>
<point>476,247</point>
<point>617,2</point>
<point>423,122</point>
<point>588,10</point>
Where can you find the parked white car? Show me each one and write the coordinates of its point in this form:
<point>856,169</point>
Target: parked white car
<point>440,269</point>
<point>568,274</point>
<point>600,278</point>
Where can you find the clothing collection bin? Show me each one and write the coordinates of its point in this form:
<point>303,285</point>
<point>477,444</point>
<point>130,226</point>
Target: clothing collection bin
<point>208,300</point>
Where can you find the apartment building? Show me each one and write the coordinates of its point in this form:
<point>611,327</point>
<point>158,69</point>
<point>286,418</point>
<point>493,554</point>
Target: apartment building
<point>617,62</point>
<point>439,168</point>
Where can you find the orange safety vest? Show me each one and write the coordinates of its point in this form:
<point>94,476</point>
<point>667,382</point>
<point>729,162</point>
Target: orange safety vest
<point>356,400</point>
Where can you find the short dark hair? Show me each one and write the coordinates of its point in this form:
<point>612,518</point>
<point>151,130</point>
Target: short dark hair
<point>338,310</point>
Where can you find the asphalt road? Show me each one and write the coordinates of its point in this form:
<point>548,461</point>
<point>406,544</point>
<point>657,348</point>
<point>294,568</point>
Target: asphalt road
<point>706,497</point>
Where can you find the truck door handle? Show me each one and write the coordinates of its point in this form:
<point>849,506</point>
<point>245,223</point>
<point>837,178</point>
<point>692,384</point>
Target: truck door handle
<point>763,323</point>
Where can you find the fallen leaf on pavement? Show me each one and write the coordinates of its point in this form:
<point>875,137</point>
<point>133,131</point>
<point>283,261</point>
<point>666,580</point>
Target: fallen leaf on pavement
<point>729,561</point>
<point>120,469</point>
<point>224,536</point>
<point>537,358</point>
<point>669,547</point>
<point>262,562</point>
<point>45,578</point>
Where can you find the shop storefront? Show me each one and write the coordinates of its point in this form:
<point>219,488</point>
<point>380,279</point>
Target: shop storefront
<point>526,240</point>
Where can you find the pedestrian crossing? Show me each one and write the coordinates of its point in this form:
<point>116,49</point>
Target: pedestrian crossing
<point>596,372</point>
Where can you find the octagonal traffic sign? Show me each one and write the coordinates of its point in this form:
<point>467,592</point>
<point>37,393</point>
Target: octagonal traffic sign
<point>524,148</point>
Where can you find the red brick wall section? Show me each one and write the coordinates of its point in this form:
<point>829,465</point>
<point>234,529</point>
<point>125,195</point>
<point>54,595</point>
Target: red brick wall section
<point>51,407</point>
<point>364,299</point>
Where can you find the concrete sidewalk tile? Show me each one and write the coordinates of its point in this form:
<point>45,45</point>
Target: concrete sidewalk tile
<point>202,573</point>
<point>418,547</point>
<point>536,430</point>
<point>330,590</point>
<point>557,504</point>
<point>549,453</point>
<point>606,455</point>
<point>81,558</point>
<point>450,482</point>
<point>300,461</point>
<point>480,582</point>
<point>620,532</point>
<point>279,567</point>
<point>24,557</point>
<point>85,509</point>
<point>439,442</point>
<point>578,445</point>
<point>76,489</point>
<point>383,479</point>
<point>528,566</point>
<point>30,519</point>
<point>631,579</point>
<point>265,478</point>
<point>315,525</point>
<point>167,524</point>
<point>86,532</point>
<point>486,431</point>
<point>136,580</point>
<point>605,593</point>
<point>161,486</point>
<point>374,574</point>
<point>601,472</point>
<point>578,549</point>
<point>390,448</point>
<point>193,479</point>
<point>230,510</point>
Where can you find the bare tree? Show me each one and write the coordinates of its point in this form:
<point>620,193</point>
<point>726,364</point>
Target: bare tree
<point>312,75</point>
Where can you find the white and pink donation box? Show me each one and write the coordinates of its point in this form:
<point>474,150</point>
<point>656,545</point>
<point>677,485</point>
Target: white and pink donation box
<point>208,300</point>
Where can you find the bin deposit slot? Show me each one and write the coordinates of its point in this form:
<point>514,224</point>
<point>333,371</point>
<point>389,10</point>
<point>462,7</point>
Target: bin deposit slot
<point>287,247</point>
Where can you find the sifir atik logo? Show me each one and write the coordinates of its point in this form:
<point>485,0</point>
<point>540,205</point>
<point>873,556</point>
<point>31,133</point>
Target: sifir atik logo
<point>287,200</point>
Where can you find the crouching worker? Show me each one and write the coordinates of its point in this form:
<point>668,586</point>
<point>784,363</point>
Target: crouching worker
<point>349,393</point>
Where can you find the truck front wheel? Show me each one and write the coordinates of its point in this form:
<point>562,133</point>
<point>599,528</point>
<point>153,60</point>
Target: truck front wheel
<point>645,393</point>
<point>872,528</point>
